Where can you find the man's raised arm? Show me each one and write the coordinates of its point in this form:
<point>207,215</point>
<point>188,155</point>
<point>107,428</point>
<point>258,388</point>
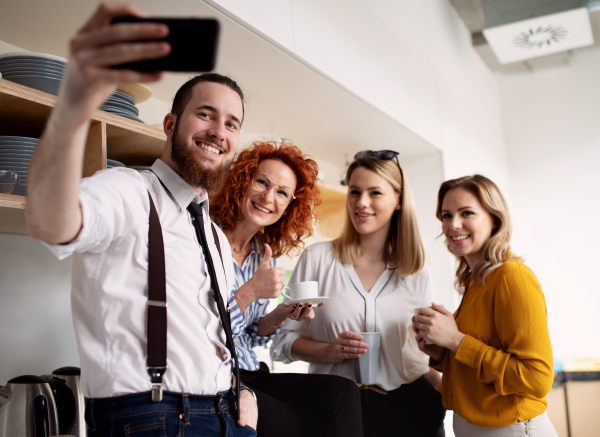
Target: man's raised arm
<point>53,212</point>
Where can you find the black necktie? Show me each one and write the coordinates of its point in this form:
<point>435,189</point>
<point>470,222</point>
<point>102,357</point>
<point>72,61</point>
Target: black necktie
<point>197,216</point>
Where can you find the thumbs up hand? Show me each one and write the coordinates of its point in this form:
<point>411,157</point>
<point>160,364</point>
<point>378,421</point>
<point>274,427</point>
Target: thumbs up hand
<point>267,281</point>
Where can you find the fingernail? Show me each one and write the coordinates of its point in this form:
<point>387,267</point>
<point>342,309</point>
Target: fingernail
<point>300,305</point>
<point>309,305</point>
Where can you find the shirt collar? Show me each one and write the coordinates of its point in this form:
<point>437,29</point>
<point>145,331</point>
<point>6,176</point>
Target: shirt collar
<point>180,190</point>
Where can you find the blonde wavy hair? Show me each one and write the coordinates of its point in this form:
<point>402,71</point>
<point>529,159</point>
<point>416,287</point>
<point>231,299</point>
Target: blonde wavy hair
<point>496,249</point>
<point>405,248</point>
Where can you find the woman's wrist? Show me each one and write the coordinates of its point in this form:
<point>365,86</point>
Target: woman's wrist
<point>275,318</point>
<point>245,295</point>
<point>458,338</point>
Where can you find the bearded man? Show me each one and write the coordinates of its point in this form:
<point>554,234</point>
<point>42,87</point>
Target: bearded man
<point>106,221</point>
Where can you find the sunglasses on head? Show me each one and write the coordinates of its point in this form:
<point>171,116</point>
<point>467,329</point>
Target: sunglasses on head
<point>384,155</point>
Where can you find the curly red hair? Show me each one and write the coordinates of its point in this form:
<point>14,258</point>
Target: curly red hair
<point>287,234</point>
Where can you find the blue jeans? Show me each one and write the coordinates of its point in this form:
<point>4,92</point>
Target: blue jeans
<point>177,415</point>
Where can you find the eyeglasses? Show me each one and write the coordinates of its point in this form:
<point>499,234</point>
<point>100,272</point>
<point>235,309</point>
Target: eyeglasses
<point>283,195</point>
<point>384,155</point>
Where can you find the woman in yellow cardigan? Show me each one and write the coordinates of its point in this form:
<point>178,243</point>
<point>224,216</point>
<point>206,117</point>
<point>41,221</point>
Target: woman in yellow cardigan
<point>495,351</point>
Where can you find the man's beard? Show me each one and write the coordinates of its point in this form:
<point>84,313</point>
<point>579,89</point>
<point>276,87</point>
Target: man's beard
<point>191,170</point>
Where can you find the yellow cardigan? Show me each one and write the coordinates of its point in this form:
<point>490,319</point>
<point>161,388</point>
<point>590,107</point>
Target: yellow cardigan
<point>503,369</point>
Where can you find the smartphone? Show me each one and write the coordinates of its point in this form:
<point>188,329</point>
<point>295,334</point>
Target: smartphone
<point>194,43</point>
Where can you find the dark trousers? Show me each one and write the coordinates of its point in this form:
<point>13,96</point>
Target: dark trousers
<point>294,405</point>
<point>412,410</point>
<point>176,415</point>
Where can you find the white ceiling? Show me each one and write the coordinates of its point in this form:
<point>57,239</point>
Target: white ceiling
<point>285,95</point>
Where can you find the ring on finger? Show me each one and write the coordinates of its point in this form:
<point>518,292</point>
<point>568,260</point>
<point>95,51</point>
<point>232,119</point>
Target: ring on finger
<point>343,348</point>
<point>421,328</point>
<point>292,316</point>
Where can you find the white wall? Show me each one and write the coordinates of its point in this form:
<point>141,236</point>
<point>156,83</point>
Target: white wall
<point>414,61</point>
<point>36,328</point>
<point>553,134</point>
<point>411,59</point>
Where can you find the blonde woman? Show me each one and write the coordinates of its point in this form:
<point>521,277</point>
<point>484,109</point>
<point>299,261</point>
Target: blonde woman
<point>495,351</point>
<point>373,276</point>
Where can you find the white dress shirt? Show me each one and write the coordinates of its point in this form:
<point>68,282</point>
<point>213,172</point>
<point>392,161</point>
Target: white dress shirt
<point>110,286</point>
<point>386,308</point>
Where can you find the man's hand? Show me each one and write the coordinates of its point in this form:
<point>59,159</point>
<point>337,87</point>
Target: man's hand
<point>53,213</point>
<point>98,45</point>
<point>248,410</point>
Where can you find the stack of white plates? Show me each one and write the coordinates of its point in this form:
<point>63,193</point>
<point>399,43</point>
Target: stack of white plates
<point>45,72</point>
<point>15,154</point>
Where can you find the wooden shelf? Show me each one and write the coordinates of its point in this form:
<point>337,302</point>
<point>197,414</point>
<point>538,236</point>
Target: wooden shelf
<point>24,112</point>
<point>12,210</point>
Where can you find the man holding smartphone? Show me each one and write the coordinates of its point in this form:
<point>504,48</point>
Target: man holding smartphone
<point>104,221</point>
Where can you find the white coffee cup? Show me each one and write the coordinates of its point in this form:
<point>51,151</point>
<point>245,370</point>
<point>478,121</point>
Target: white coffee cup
<point>366,367</point>
<point>302,290</point>
<point>416,310</point>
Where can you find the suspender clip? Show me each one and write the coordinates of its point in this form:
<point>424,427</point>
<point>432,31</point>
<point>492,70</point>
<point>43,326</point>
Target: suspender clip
<point>156,377</point>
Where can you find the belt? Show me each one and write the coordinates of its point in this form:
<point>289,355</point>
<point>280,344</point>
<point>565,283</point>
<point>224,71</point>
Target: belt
<point>375,388</point>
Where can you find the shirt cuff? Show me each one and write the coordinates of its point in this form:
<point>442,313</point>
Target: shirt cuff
<point>287,348</point>
<point>469,351</point>
<point>438,365</point>
<point>262,340</point>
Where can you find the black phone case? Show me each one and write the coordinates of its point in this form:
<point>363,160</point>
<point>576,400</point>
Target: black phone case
<point>194,43</point>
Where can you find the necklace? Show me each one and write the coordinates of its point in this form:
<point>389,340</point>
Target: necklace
<point>240,250</point>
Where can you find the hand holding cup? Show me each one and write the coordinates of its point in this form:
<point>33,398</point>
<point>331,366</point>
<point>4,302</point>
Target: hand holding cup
<point>347,345</point>
<point>437,324</point>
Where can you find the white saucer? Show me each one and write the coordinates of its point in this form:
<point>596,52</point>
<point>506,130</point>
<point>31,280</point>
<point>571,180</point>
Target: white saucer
<point>313,300</point>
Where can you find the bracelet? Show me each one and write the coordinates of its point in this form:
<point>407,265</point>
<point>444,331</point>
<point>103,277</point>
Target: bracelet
<point>240,299</point>
<point>274,326</point>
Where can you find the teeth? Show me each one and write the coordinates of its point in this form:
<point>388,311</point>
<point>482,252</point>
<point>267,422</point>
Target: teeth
<point>210,149</point>
<point>459,238</point>
<point>363,215</point>
<point>260,208</point>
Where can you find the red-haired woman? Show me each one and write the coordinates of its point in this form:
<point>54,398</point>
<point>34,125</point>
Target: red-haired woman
<point>266,209</point>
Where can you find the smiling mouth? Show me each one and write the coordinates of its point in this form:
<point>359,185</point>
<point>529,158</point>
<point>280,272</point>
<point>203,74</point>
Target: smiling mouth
<point>261,208</point>
<point>460,237</point>
<point>210,149</point>
<point>364,215</point>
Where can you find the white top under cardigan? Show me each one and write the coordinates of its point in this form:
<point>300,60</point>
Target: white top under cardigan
<point>110,286</point>
<point>387,308</point>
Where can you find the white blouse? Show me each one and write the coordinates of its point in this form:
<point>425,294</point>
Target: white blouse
<point>387,308</point>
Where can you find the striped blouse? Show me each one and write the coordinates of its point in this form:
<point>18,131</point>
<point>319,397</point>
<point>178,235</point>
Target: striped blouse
<point>245,326</point>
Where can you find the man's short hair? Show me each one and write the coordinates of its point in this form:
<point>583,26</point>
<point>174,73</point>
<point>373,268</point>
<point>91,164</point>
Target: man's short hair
<point>184,94</point>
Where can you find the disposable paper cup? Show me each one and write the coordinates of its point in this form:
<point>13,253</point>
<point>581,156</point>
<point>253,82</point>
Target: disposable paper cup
<point>416,310</point>
<point>366,367</point>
